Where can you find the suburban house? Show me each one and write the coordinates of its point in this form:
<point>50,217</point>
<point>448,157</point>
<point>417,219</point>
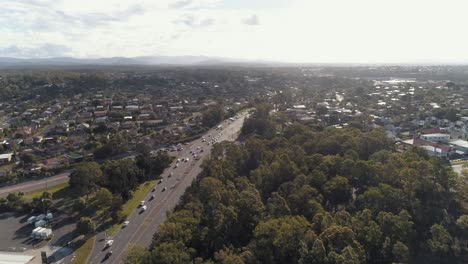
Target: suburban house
<point>432,148</point>
<point>460,145</point>
<point>6,158</point>
<point>436,137</point>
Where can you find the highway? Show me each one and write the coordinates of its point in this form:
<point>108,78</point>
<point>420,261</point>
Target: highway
<point>35,184</point>
<point>176,179</point>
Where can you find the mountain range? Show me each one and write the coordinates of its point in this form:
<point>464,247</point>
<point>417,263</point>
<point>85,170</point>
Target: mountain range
<point>143,60</point>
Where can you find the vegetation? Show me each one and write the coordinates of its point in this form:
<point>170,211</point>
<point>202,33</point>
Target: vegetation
<point>54,190</point>
<point>86,226</point>
<point>83,253</point>
<point>131,204</point>
<point>309,195</point>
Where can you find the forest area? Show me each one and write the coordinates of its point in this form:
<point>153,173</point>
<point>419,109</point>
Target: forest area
<point>300,194</point>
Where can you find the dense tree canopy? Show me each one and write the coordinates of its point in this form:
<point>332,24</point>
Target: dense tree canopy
<point>308,196</point>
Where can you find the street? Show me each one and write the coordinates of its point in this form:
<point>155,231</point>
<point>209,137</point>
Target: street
<point>143,224</point>
<point>35,184</point>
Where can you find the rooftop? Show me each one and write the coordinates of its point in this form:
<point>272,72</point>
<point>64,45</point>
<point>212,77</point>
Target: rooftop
<point>460,143</point>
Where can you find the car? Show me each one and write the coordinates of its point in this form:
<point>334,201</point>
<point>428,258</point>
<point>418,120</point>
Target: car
<point>109,242</point>
<point>176,166</point>
<point>178,160</point>
<point>154,189</point>
<point>124,224</point>
<point>187,159</point>
<point>170,174</point>
<point>164,189</point>
<point>144,208</point>
<point>152,197</point>
<point>160,181</point>
<point>108,254</point>
<point>142,203</point>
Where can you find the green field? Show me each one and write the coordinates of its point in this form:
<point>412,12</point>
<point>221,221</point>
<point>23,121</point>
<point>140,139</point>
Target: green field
<point>57,191</point>
<point>83,253</point>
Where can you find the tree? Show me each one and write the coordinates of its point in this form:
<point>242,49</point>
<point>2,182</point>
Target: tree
<point>137,254</point>
<point>400,252</point>
<point>170,253</point>
<point>440,240</point>
<point>212,116</point>
<point>277,206</point>
<point>337,190</point>
<point>104,198</point>
<point>122,176</point>
<point>86,226</point>
<point>86,178</point>
<point>28,158</point>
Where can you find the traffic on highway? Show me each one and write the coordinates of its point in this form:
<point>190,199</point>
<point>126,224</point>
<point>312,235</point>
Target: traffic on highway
<point>139,227</point>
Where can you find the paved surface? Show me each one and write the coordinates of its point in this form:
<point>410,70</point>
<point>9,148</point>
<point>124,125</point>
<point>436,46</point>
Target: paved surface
<point>35,184</point>
<point>143,224</point>
<point>15,236</point>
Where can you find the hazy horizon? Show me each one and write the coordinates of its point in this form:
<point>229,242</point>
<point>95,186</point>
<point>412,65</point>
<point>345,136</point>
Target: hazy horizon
<point>296,31</point>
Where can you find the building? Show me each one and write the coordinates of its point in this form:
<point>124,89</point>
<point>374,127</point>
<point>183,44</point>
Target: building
<point>432,148</point>
<point>6,158</point>
<point>460,145</point>
<point>437,137</point>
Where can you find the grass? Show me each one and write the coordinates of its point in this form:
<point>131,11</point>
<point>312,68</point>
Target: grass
<point>458,162</point>
<point>56,191</point>
<point>84,252</point>
<point>133,203</point>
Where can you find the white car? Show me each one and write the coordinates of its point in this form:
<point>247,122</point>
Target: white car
<point>144,207</point>
<point>142,203</point>
<point>109,242</point>
<point>164,189</point>
<point>124,224</point>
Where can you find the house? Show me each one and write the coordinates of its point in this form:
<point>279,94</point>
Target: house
<point>62,127</point>
<point>132,108</point>
<point>432,148</point>
<point>128,124</point>
<point>437,137</point>
<point>460,145</point>
<point>6,158</point>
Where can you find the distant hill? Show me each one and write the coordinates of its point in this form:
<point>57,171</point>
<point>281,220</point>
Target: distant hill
<point>6,62</point>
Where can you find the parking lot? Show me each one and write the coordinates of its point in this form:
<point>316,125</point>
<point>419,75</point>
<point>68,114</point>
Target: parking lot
<point>15,233</point>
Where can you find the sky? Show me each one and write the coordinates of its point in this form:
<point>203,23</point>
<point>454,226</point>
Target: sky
<point>304,31</point>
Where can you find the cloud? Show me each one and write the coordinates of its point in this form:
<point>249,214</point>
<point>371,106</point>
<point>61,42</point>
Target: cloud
<point>180,4</point>
<point>194,4</point>
<point>251,20</point>
<point>193,22</point>
<point>47,50</point>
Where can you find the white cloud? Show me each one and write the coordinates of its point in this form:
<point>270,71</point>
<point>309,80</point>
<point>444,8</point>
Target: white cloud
<point>251,20</point>
<point>302,31</point>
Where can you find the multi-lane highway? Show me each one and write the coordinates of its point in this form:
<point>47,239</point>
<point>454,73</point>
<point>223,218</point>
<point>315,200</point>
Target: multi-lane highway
<point>36,184</point>
<point>143,224</point>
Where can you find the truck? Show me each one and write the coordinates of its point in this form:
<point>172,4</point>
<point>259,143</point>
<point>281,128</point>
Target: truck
<point>35,231</point>
<point>40,223</point>
<point>31,219</point>
<point>41,233</point>
<point>45,233</point>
